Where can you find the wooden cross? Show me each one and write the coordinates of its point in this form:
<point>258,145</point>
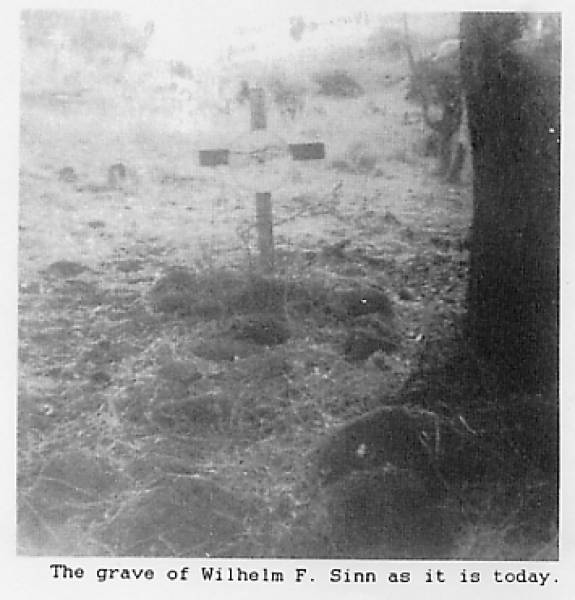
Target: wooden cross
<point>259,150</point>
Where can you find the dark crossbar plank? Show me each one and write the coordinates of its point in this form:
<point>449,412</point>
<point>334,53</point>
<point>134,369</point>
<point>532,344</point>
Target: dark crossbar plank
<point>213,158</point>
<point>308,151</point>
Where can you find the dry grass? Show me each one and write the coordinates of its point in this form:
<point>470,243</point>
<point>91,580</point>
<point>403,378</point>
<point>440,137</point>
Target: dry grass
<point>173,415</point>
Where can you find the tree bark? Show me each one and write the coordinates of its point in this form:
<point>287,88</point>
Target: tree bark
<point>512,88</point>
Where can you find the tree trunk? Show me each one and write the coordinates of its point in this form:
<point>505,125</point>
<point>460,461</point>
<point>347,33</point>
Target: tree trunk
<point>512,88</point>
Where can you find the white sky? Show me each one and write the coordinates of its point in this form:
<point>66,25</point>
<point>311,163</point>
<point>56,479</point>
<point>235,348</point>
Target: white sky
<point>196,31</point>
<point>199,30</point>
<point>248,12</point>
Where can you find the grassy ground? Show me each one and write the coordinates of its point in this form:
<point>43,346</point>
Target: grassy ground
<point>169,398</point>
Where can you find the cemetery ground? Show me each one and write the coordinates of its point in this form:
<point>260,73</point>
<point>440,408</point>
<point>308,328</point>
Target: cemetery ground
<point>170,397</point>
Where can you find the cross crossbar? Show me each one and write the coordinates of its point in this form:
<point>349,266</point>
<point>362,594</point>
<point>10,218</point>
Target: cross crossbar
<point>213,158</point>
<point>305,151</point>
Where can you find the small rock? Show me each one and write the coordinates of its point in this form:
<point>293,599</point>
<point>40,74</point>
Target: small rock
<point>390,218</point>
<point>67,174</point>
<point>65,269</point>
<point>225,349</point>
<point>129,265</point>
<point>362,342</point>
<point>96,224</point>
<point>116,175</point>
<point>353,303</point>
<point>175,292</point>
<point>100,378</point>
<point>406,294</point>
<point>264,330</point>
<point>184,371</point>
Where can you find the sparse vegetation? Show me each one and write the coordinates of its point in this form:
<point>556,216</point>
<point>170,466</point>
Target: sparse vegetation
<point>388,42</point>
<point>363,157</point>
<point>174,402</point>
<point>339,84</point>
<point>287,95</point>
<point>297,28</point>
<point>92,34</point>
<point>181,69</point>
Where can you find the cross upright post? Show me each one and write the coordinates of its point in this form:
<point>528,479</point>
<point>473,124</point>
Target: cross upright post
<point>258,109</point>
<point>264,212</point>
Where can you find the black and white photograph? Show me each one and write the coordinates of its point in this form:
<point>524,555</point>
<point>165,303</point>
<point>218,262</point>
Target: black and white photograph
<point>288,282</point>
